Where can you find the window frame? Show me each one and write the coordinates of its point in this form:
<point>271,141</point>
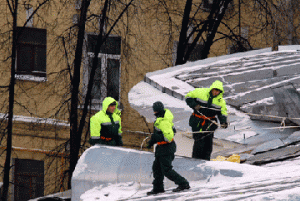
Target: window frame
<point>175,47</point>
<point>33,74</point>
<point>97,103</point>
<point>35,173</point>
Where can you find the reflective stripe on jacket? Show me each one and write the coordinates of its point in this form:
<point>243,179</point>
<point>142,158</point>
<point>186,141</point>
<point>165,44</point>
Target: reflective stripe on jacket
<point>211,107</point>
<point>101,123</point>
<point>165,125</point>
<point>201,95</point>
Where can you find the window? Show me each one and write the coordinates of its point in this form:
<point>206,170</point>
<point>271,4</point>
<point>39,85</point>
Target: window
<point>107,75</point>
<point>243,45</point>
<point>195,54</point>
<point>28,179</point>
<point>31,52</point>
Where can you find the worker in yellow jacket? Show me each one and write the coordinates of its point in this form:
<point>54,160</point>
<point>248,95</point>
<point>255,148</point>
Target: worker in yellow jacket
<point>163,136</point>
<point>105,125</point>
<point>208,105</point>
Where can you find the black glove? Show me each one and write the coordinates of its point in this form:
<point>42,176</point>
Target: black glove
<point>224,125</point>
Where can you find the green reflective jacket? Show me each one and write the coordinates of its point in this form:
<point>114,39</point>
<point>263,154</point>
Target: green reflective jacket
<point>106,125</point>
<point>164,132</point>
<point>217,106</point>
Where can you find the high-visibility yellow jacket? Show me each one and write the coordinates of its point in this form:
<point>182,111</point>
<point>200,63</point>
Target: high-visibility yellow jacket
<point>105,127</point>
<point>163,134</point>
<point>211,106</point>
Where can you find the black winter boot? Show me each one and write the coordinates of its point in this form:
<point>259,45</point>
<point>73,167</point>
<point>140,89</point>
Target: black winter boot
<point>155,191</point>
<point>181,188</point>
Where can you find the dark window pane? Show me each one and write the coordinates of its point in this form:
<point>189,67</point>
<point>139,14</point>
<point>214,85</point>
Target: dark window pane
<point>112,45</point>
<point>40,59</point>
<point>31,51</point>
<point>36,184</point>
<point>22,188</point>
<point>29,179</point>
<point>113,78</point>
<point>29,166</point>
<point>196,53</point>
<point>92,40</point>
<point>25,58</point>
<point>96,90</point>
<point>32,36</point>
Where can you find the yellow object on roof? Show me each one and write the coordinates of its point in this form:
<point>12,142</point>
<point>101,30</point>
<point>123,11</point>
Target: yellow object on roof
<point>233,158</point>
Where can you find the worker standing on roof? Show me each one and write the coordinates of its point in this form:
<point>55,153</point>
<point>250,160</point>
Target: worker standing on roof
<point>164,153</point>
<point>208,103</point>
<point>105,125</point>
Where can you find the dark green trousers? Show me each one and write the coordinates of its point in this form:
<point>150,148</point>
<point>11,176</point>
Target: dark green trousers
<point>114,142</point>
<point>162,166</point>
<point>203,145</point>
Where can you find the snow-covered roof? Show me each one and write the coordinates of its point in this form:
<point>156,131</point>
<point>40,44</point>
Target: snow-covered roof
<point>275,181</point>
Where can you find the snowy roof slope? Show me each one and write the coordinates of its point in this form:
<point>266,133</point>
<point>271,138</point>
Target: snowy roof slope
<point>101,165</point>
<point>275,181</point>
<point>247,77</point>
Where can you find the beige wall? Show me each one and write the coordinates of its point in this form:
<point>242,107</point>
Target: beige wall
<point>42,142</point>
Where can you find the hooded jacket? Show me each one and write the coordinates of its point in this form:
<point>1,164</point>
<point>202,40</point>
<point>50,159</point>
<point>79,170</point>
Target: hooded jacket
<point>211,106</point>
<point>163,134</point>
<point>105,127</point>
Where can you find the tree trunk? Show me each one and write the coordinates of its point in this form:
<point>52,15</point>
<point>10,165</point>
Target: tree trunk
<point>183,42</point>
<point>5,187</point>
<point>214,25</point>
<point>210,27</point>
<point>76,131</point>
<point>74,135</point>
<point>100,41</point>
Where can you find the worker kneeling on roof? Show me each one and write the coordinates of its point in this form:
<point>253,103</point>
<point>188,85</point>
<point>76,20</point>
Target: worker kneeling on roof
<point>208,105</point>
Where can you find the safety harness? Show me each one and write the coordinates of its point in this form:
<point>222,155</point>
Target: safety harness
<point>164,142</point>
<point>203,117</point>
<point>107,139</point>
